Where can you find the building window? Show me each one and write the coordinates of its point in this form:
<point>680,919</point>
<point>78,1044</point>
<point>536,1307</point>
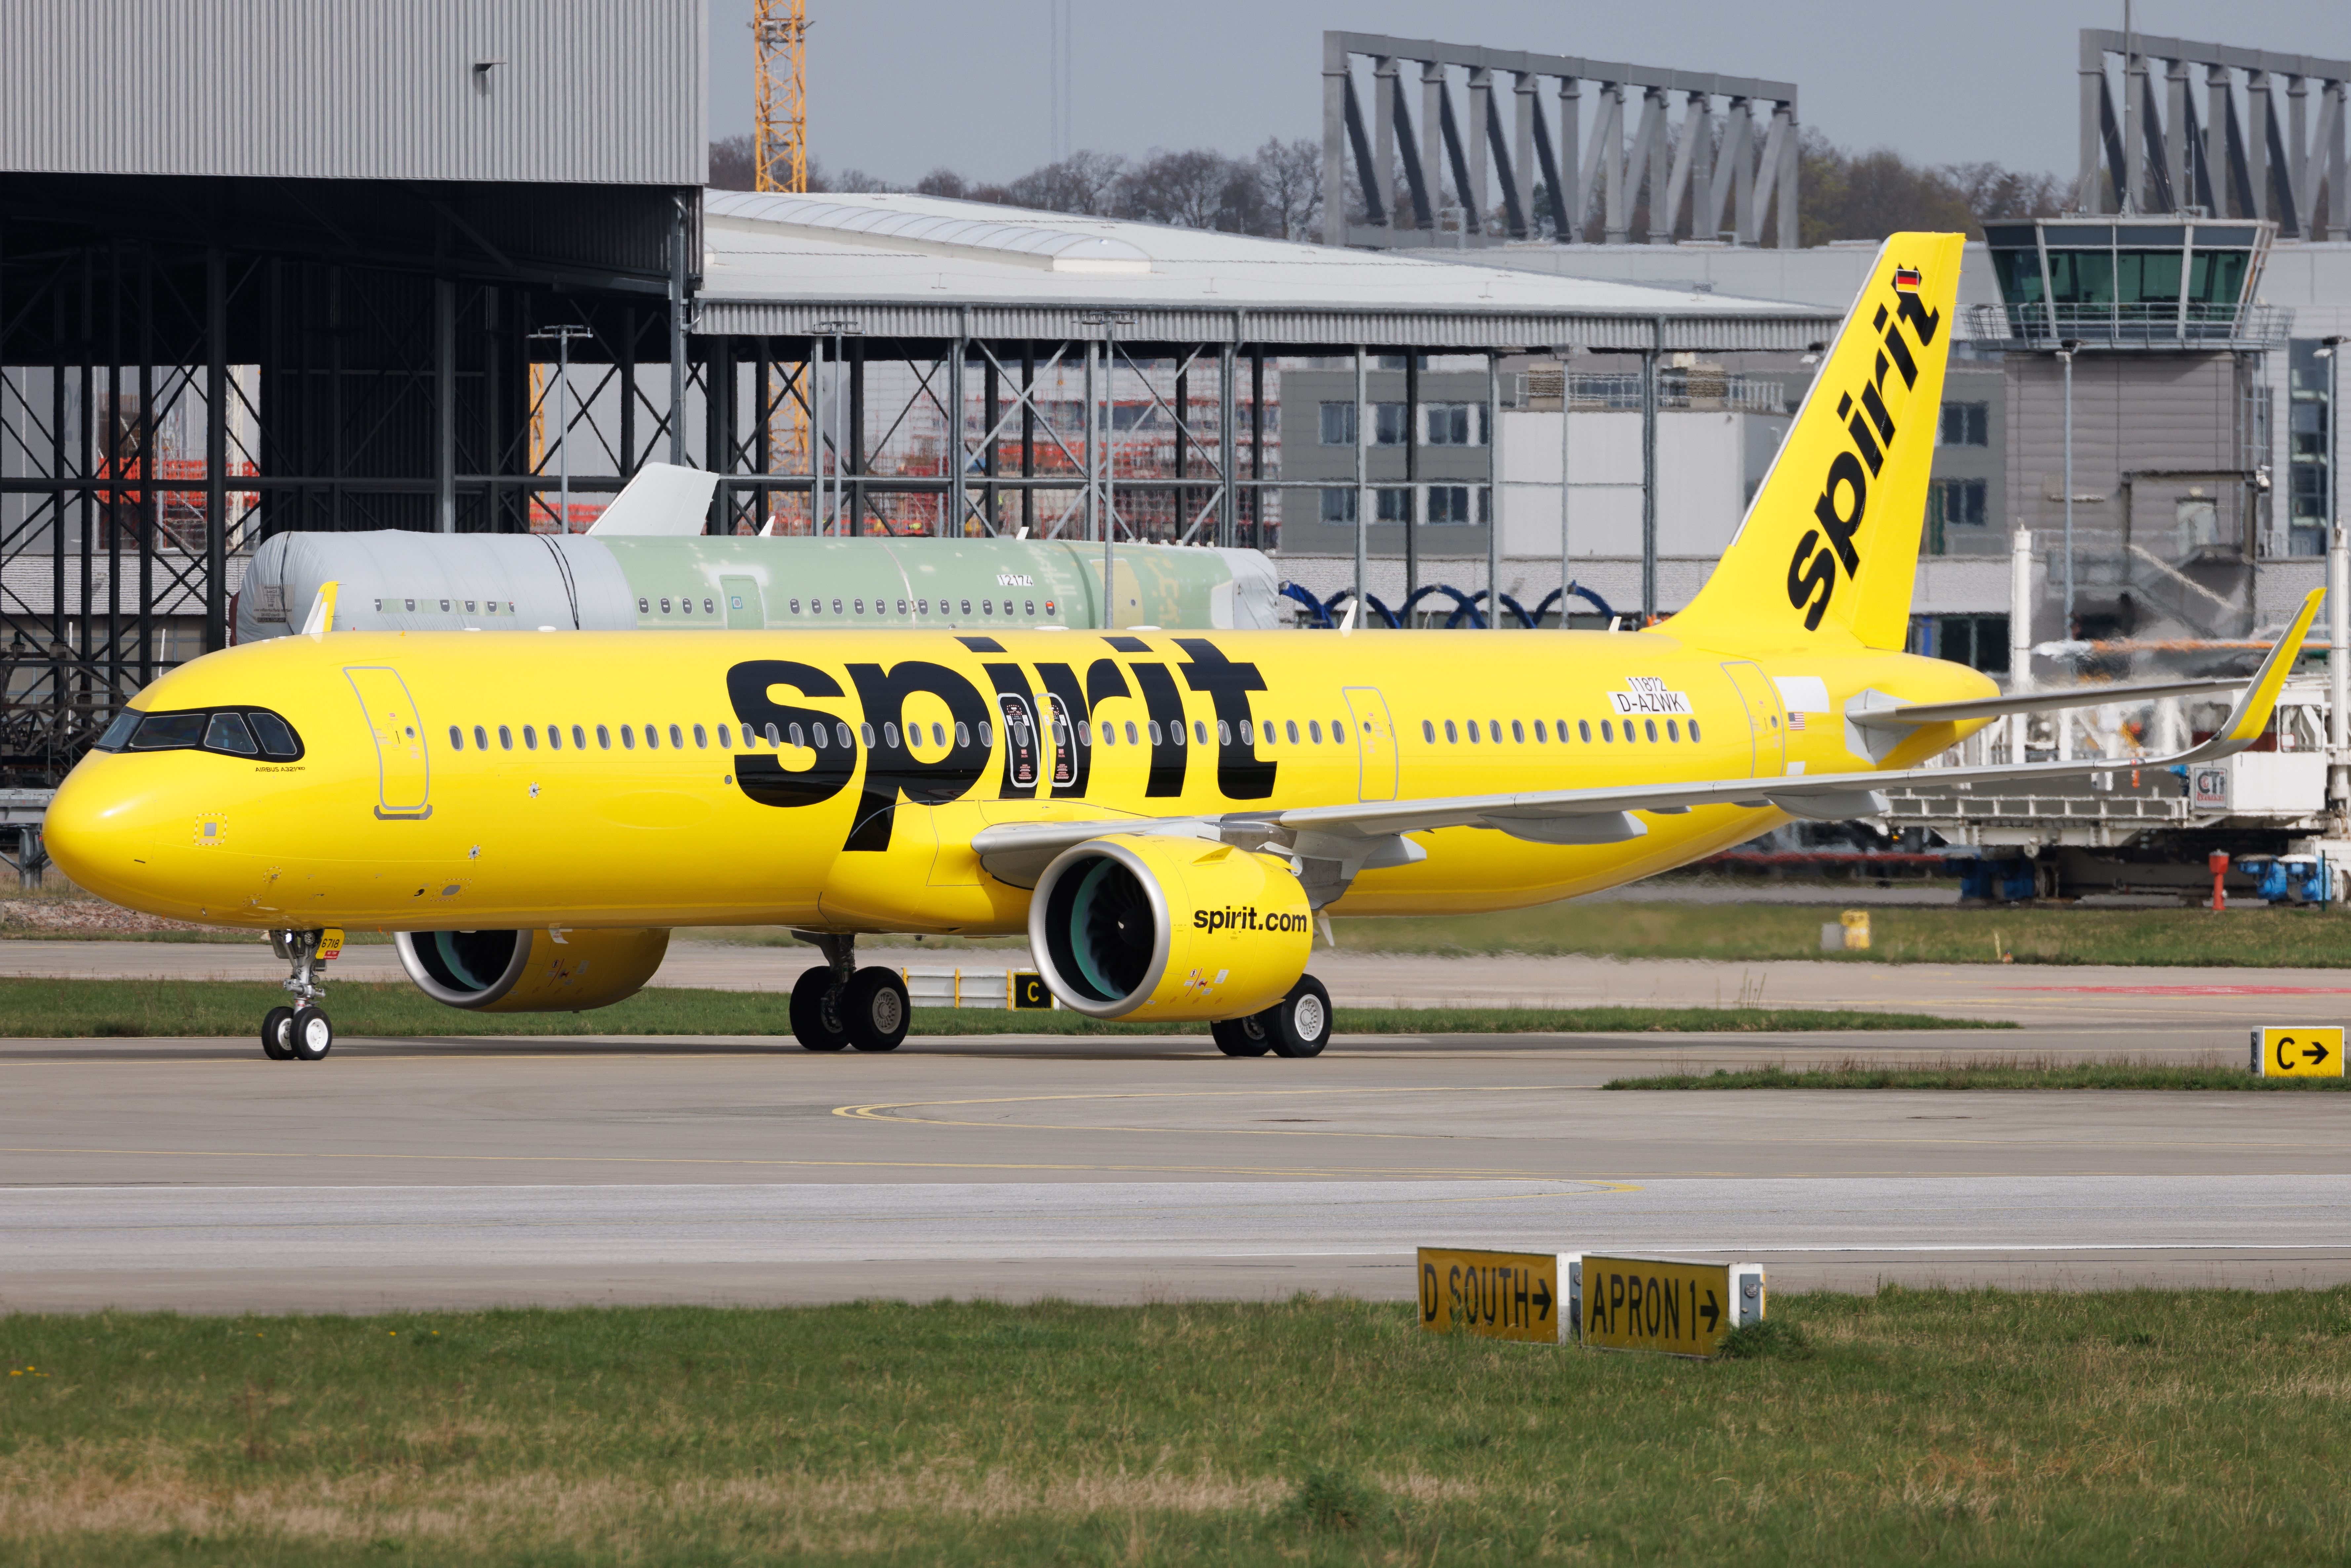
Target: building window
<point>1454,423</point>
<point>1953,502</point>
<point>1978,641</point>
<point>1450,503</point>
<point>2310,408</point>
<point>1339,506</point>
<point>1967,424</point>
<point>1388,424</point>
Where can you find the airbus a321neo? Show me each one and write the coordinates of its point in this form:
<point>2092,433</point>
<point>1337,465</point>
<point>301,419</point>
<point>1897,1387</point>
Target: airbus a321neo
<point>1163,813</point>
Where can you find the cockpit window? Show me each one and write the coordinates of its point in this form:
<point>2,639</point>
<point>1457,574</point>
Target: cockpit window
<point>227,732</point>
<point>233,732</point>
<point>169,732</point>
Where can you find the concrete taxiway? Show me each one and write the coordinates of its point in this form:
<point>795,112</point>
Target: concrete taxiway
<point>194,1174</point>
<point>2117,1000</point>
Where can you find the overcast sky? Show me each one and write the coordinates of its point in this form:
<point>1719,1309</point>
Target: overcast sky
<point>898,87</point>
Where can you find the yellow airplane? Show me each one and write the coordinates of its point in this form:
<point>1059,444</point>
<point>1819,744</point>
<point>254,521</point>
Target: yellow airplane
<point>1165,814</point>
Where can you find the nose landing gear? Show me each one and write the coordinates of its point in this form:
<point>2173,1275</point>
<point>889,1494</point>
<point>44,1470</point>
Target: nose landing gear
<point>301,1032</point>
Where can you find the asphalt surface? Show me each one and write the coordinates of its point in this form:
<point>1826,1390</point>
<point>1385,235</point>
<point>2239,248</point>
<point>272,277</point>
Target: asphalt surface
<point>2115,999</point>
<point>195,1175</point>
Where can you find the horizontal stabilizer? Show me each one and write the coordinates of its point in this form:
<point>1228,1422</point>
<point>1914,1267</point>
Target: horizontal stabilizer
<point>1911,715</point>
<point>663,501</point>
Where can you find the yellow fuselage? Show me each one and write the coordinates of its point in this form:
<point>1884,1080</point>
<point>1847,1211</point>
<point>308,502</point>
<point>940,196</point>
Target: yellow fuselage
<point>387,822</point>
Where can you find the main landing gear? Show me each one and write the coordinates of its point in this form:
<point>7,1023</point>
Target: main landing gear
<point>1297,1025</point>
<point>839,1005</point>
<point>301,1032</point>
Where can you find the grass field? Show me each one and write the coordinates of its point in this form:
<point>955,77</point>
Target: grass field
<point>1988,1072</point>
<point>127,1009</point>
<point>1627,929</point>
<point>1900,935</point>
<point>2171,1427</point>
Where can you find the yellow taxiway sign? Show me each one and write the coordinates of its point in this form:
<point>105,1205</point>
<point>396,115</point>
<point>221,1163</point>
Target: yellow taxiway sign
<point>1501,1295</point>
<point>1663,1304</point>
<point>2288,1051</point>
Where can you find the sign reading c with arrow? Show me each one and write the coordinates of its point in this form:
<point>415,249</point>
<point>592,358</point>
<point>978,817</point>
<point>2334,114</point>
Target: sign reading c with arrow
<point>2292,1052</point>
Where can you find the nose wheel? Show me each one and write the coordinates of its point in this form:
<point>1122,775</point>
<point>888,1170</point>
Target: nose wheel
<point>301,1032</point>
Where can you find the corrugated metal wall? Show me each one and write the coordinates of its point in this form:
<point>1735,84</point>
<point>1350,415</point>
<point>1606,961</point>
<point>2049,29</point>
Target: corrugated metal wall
<point>1415,329</point>
<point>608,92</point>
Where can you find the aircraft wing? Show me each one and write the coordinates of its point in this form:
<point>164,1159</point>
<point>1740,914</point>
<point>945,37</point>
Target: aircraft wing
<point>1368,834</point>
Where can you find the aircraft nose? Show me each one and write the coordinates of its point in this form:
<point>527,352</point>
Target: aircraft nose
<point>100,833</point>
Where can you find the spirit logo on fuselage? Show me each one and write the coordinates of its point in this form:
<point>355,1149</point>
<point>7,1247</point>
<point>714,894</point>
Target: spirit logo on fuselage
<point>1844,493</point>
<point>897,765</point>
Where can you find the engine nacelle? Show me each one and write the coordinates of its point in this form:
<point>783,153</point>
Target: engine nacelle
<point>1152,927</point>
<point>531,971</point>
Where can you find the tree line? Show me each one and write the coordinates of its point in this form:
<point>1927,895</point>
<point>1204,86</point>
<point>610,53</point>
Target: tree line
<point>1277,191</point>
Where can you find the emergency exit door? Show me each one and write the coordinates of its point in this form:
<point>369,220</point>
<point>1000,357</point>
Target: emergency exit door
<point>1375,744</point>
<point>744,610</point>
<point>403,776</point>
<point>1765,720</point>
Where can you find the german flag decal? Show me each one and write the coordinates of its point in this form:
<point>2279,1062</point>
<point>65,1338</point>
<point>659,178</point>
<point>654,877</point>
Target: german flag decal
<point>1906,279</point>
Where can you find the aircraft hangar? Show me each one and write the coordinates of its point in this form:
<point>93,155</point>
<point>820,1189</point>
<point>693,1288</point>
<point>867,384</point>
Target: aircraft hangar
<point>333,274</point>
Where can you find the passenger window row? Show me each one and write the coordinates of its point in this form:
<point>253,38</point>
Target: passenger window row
<point>1026,607</point>
<point>819,737</point>
<point>687,604</point>
<point>451,606</point>
<point>1490,731</point>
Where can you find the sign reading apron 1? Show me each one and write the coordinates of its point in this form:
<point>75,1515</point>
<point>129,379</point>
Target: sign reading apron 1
<point>1668,1304</point>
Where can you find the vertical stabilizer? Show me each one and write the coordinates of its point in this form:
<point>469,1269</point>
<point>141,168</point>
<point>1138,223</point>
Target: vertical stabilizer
<point>663,501</point>
<point>1830,546</point>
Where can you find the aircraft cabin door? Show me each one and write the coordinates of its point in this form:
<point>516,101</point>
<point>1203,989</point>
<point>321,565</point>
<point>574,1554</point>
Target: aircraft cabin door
<point>744,610</point>
<point>403,776</point>
<point>1765,720</point>
<point>1375,744</point>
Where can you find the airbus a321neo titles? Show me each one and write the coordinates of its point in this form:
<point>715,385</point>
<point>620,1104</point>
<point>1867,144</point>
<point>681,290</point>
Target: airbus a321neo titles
<point>1163,813</point>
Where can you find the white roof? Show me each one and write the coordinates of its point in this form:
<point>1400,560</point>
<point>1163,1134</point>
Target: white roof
<point>922,265</point>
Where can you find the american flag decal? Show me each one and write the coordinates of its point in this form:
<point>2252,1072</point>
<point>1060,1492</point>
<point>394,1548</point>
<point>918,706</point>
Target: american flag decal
<point>1907,277</point>
<point>1796,722</point>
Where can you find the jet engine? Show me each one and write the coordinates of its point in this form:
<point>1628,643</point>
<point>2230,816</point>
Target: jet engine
<point>1152,927</point>
<point>531,971</point>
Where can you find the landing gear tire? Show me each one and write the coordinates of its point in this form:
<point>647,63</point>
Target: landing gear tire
<point>311,1036</point>
<point>816,1010</point>
<point>875,1009</point>
<point>1300,1024</point>
<point>277,1034</point>
<point>1242,1035</point>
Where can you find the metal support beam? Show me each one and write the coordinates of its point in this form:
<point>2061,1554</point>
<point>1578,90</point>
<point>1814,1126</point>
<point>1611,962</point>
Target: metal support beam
<point>1519,150</point>
<point>1649,470</point>
<point>1363,433</point>
<point>1493,491</point>
<point>215,451</point>
<point>678,239</point>
<point>444,403</point>
<point>1227,518</point>
<point>958,508</point>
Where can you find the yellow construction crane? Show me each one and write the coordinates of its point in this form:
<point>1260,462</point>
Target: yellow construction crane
<point>779,78</point>
<point>779,162</point>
